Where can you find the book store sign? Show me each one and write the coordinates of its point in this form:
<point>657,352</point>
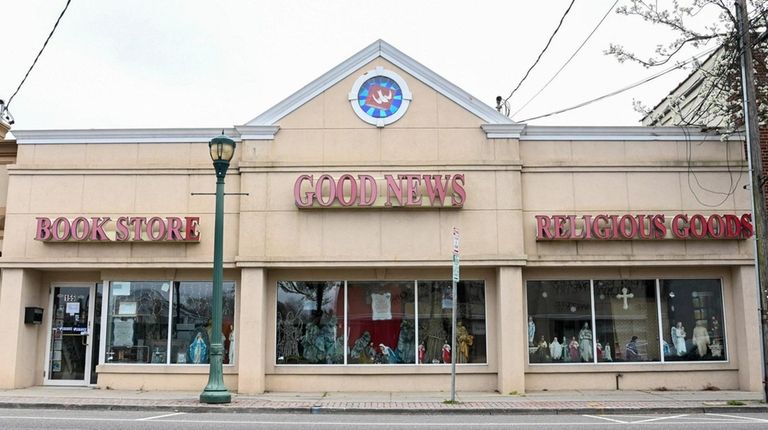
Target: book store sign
<point>121,229</point>
<point>365,191</point>
<point>643,227</point>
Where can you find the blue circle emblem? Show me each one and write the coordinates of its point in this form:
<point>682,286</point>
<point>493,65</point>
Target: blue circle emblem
<point>380,97</point>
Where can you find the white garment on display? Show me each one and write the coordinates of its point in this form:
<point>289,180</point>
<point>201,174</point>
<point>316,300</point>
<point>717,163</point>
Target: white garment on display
<point>678,339</point>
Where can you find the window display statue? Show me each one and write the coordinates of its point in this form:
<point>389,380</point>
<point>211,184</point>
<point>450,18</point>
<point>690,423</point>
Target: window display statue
<point>631,352</point>
<point>599,347</point>
<point>390,355</point>
<point>405,341</point>
<point>542,350</point>
<point>678,339</point>
<point>464,340</point>
<point>701,337</point>
<point>198,350</point>
<point>446,353</point>
<point>359,350</point>
<point>607,352</point>
<point>231,352</point>
<point>531,330</point>
<point>585,343</point>
<point>573,349</point>
<point>716,333</point>
<point>556,350</point>
<point>422,352</point>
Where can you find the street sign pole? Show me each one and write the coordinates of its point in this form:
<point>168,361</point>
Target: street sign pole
<point>454,305</point>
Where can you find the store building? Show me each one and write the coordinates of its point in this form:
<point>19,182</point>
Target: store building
<point>338,247</point>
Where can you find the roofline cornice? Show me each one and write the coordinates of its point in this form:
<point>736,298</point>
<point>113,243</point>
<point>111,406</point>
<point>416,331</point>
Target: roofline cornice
<point>140,135</point>
<point>635,133</point>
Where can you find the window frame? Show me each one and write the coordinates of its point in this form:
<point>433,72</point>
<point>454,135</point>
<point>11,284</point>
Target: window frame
<point>657,284</point>
<point>106,316</point>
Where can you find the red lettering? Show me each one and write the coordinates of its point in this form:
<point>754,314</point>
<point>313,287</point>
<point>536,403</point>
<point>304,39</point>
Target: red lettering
<point>43,229</point>
<point>732,226</point>
<point>459,194</point>
<point>558,221</point>
<point>601,228</point>
<point>60,229</point>
<point>319,191</point>
<point>716,226</point>
<point>80,229</point>
<point>587,232</point>
<point>659,222</point>
<point>632,227</point>
<point>191,234</point>
<point>680,231</point>
<point>542,227</point>
<point>368,190</point>
<point>174,228</point>
<point>155,229</point>
<point>393,188</point>
<point>412,195</point>
<point>352,190</point>
<point>572,223</point>
<point>436,188</point>
<point>747,230</point>
<point>97,228</point>
<point>121,229</point>
<point>309,195</point>
<point>138,225</point>
<point>698,227</point>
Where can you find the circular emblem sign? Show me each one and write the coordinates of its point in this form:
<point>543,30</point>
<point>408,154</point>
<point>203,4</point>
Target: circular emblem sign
<point>380,97</point>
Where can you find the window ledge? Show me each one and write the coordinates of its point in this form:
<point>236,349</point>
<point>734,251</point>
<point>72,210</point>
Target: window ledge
<point>190,369</point>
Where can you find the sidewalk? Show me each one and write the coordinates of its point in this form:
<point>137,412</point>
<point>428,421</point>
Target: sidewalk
<point>559,402</point>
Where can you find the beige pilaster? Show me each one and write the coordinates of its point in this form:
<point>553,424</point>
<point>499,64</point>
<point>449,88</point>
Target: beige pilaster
<point>252,331</point>
<point>747,329</point>
<point>19,359</point>
<point>511,340</point>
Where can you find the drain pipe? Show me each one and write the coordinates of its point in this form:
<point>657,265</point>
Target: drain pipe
<point>618,375</point>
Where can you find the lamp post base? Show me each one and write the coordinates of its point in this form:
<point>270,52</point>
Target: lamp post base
<point>215,396</point>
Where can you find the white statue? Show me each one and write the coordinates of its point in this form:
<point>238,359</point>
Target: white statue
<point>701,338</point>
<point>585,343</point>
<point>607,352</point>
<point>555,350</point>
<point>231,344</point>
<point>678,339</point>
<point>531,331</point>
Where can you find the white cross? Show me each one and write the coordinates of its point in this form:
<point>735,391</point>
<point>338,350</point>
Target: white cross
<point>625,296</point>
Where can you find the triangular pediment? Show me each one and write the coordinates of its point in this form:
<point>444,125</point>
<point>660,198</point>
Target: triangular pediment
<point>379,49</point>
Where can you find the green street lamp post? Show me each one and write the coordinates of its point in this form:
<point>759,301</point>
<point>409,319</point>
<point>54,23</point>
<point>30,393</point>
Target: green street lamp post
<point>222,149</point>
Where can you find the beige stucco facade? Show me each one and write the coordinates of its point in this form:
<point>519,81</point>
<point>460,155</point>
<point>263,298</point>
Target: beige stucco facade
<point>512,173</point>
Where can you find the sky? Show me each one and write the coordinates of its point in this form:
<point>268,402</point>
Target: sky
<point>194,63</point>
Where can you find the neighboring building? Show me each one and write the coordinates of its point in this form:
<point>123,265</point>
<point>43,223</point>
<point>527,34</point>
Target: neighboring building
<point>338,256</point>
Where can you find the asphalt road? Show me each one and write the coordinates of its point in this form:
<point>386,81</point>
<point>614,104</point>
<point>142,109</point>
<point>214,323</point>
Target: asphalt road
<point>18,419</point>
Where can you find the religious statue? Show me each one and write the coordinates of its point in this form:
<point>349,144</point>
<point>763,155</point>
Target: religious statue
<point>531,330</point>
<point>231,352</point>
<point>198,350</point>
<point>701,337</point>
<point>556,350</point>
<point>585,343</point>
<point>573,349</point>
<point>665,349</point>
<point>359,350</point>
<point>422,352</point>
<point>607,352</point>
<point>446,353</point>
<point>405,341</point>
<point>678,339</point>
<point>542,352</point>
<point>716,333</point>
<point>599,348</point>
<point>631,352</point>
<point>390,355</point>
<point>464,339</point>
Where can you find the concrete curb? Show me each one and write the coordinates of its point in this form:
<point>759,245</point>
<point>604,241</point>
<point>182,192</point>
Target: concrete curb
<point>319,409</point>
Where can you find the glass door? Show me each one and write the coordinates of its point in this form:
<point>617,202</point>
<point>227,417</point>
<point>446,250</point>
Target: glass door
<point>69,348</point>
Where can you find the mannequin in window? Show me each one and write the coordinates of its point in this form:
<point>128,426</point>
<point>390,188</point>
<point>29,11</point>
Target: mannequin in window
<point>678,339</point>
<point>631,352</point>
<point>585,343</point>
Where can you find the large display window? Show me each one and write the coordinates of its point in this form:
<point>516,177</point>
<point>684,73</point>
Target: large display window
<point>165,322</point>
<point>609,321</point>
<point>375,322</point>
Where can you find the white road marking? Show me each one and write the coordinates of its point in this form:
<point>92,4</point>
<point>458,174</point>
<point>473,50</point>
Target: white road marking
<point>160,416</point>
<point>606,418</point>
<point>741,418</point>
<point>659,419</point>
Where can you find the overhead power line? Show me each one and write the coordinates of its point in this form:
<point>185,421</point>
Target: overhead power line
<point>4,108</point>
<point>501,103</point>
<point>569,58</point>
<point>627,88</point>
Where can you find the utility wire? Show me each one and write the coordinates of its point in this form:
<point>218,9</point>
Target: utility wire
<point>4,109</point>
<point>569,59</point>
<point>540,54</point>
<point>627,88</point>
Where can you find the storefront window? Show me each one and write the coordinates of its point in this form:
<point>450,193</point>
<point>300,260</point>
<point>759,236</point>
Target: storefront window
<point>310,322</point>
<point>627,320</point>
<point>191,322</point>
<point>692,320</point>
<point>435,308</point>
<point>559,322</point>
<point>137,323</point>
<point>381,323</point>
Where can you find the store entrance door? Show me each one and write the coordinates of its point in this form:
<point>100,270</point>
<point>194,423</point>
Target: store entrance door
<point>69,347</point>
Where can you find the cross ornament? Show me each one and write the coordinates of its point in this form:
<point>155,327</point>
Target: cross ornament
<point>625,296</point>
